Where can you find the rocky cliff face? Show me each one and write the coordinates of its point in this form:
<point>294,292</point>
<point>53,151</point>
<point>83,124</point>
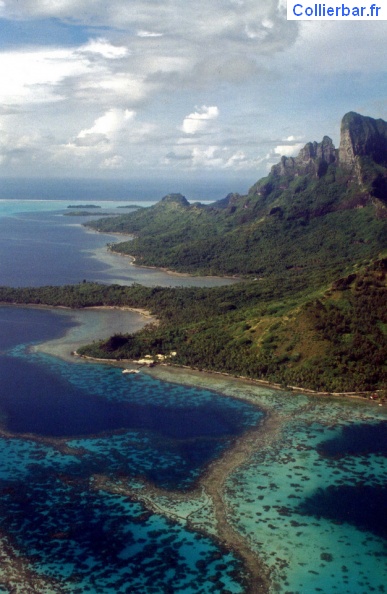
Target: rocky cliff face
<point>361,136</point>
<point>363,154</point>
<point>313,159</point>
<point>357,172</point>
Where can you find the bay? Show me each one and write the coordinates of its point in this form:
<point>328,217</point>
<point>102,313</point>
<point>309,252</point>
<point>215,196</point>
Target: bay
<point>39,245</point>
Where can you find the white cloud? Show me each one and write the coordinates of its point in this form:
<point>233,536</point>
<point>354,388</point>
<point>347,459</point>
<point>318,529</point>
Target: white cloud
<point>260,26</point>
<point>145,11</point>
<point>275,83</point>
<point>213,157</point>
<point>198,120</point>
<point>104,48</point>
<point>114,138</point>
<point>339,47</point>
<point>148,34</point>
<point>34,76</point>
<point>149,51</point>
<point>293,138</point>
<point>209,157</point>
<point>288,150</point>
<point>110,124</point>
<point>45,75</point>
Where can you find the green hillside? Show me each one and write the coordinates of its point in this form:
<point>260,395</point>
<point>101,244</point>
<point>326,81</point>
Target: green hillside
<point>301,227</point>
<point>309,243</point>
<point>310,239</point>
<point>335,342</point>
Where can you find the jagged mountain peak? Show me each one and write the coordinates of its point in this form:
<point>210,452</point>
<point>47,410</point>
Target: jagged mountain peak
<point>362,136</point>
<point>313,159</point>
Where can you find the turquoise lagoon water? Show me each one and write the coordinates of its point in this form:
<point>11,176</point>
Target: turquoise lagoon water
<point>310,501</point>
<point>313,503</point>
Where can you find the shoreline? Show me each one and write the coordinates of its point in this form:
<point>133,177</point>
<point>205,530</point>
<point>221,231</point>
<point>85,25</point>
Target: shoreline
<point>166,270</point>
<point>361,396</point>
<point>130,237</point>
<point>143,312</point>
<point>171,272</point>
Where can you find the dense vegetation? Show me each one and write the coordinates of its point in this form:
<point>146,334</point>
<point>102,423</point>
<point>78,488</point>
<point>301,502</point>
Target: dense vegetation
<point>335,341</point>
<point>314,228</point>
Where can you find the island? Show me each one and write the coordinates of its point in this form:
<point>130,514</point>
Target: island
<point>288,496</point>
<point>309,245</point>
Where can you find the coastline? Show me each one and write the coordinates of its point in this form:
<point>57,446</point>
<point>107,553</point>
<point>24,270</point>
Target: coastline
<point>91,324</point>
<point>143,312</point>
<point>162,269</point>
<point>173,272</point>
<point>361,396</point>
<point>147,317</point>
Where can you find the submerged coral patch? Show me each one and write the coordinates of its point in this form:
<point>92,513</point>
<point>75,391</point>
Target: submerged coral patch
<point>361,505</point>
<point>357,440</point>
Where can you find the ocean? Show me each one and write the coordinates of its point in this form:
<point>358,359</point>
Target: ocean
<point>166,481</point>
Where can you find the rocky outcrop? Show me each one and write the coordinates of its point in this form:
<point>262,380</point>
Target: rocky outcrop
<point>362,136</point>
<point>363,154</point>
<point>174,200</point>
<point>313,159</point>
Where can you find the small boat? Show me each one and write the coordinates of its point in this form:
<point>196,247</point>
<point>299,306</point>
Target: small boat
<point>131,371</point>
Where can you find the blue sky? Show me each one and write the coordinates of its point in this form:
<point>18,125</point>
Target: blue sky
<point>178,90</point>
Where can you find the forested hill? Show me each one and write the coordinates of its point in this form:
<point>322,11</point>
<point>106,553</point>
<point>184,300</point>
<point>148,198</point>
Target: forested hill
<point>311,240</point>
<point>312,218</point>
<point>334,340</point>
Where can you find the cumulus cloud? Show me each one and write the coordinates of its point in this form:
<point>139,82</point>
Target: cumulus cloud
<point>148,50</point>
<point>33,76</point>
<point>288,150</point>
<point>109,124</point>
<point>236,27</point>
<point>44,75</point>
<point>104,48</point>
<point>213,157</point>
<point>198,120</point>
<point>230,14</point>
<point>113,139</point>
<point>119,97</point>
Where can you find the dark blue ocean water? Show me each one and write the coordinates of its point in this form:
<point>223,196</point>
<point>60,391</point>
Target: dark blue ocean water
<point>40,246</point>
<point>49,397</point>
<point>46,248</point>
<point>123,427</point>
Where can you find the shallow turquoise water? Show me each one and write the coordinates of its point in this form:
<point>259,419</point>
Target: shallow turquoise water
<point>296,500</point>
<point>96,542</point>
<point>313,504</point>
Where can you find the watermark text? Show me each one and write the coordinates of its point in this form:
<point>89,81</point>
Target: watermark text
<point>333,10</point>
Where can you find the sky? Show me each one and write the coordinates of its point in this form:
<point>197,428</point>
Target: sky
<point>218,90</point>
